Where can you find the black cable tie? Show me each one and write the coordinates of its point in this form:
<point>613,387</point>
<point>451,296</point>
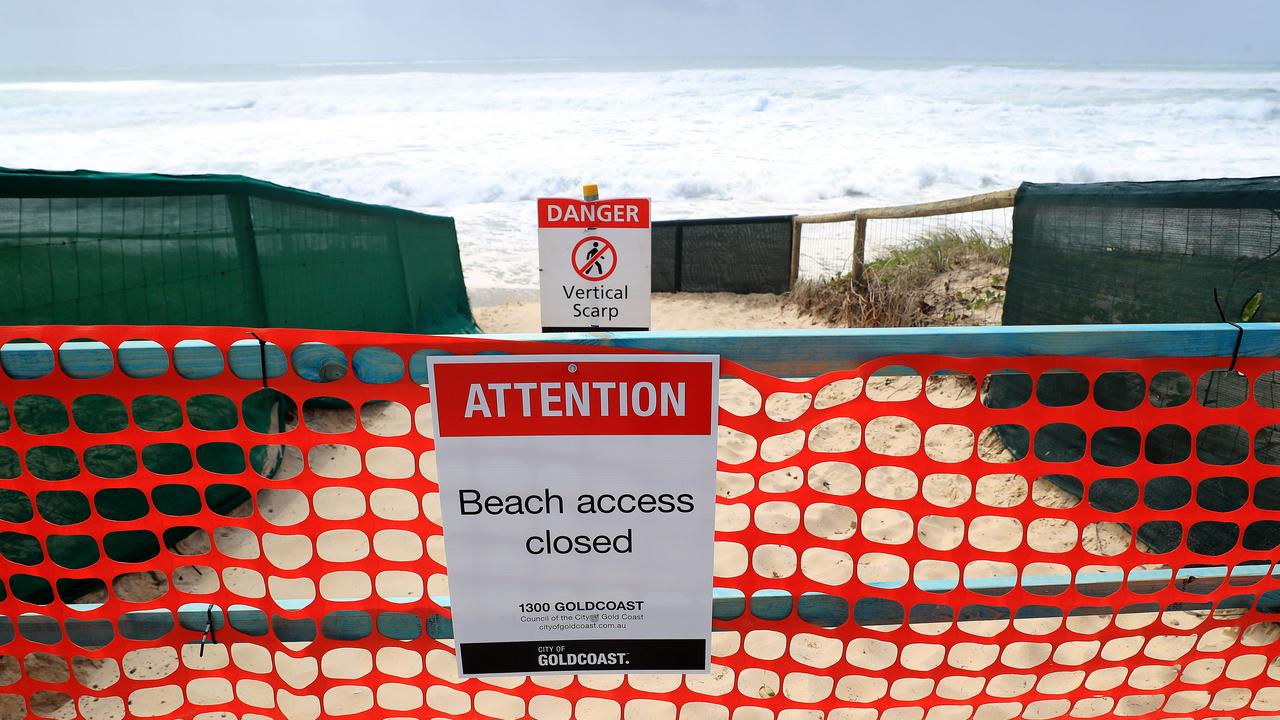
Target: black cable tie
<point>1235,353</point>
<point>210,635</point>
<point>262,354</point>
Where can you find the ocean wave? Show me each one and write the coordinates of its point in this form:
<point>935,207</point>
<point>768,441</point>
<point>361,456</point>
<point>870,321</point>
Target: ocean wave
<point>700,141</point>
<point>1256,110</point>
<point>88,87</point>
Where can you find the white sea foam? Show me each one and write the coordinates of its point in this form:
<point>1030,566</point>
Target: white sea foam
<point>481,143</point>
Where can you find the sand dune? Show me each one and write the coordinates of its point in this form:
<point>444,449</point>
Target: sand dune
<point>671,311</point>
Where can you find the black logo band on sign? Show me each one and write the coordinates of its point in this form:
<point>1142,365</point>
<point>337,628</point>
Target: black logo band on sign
<point>581,655</point>
<point>594,258</point>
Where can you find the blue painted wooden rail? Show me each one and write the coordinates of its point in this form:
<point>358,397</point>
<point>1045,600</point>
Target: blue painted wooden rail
<point>806,353</point>
<point>823,610</point>
<point>784,353</point>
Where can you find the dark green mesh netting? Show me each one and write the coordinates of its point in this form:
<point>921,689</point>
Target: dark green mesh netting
<point>86,248</point>
<point>737,255</point>
<point>1153,252</point>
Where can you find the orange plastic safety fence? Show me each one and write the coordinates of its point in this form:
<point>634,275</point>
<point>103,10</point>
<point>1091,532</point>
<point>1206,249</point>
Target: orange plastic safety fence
<point>897,546</point>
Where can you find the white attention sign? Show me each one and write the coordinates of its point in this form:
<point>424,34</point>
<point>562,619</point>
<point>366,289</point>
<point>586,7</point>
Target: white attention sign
<point>578,498</point>
<point>594,264</point>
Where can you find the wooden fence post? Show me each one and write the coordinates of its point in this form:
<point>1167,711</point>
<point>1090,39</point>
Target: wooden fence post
<point>859,249</point>
<point>795,251</point>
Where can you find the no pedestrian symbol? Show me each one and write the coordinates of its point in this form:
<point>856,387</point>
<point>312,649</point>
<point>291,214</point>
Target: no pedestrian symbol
<point>594,258</point>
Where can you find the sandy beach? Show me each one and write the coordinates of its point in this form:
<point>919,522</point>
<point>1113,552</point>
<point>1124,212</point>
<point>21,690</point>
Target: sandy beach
<point>671,311</point>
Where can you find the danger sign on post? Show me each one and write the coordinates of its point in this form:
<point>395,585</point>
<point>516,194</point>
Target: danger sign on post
<point>578,499</point>
<point>594,264</point>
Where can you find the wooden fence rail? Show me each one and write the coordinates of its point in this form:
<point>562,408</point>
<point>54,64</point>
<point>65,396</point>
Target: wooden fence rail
<point>951,206</point>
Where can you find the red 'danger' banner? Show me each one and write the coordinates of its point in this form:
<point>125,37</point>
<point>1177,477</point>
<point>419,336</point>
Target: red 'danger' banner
<point>613,213</point>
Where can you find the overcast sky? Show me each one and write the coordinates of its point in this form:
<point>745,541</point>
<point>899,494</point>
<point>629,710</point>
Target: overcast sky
<point>78,33</point>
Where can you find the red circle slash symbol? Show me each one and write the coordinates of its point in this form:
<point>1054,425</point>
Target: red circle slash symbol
<point>594,258</point>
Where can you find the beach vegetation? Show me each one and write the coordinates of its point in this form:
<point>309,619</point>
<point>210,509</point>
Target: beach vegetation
<point>946,277</point>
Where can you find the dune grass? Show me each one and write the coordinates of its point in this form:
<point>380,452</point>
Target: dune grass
<point>907,286</point>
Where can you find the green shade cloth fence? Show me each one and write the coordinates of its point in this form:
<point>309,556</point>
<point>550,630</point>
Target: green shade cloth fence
<point>86,248</point>
<point>739,255</point>
<point>1149,252</point>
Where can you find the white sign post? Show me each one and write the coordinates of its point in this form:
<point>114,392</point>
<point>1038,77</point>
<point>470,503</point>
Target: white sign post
<point>594,264</point>
<point>578,498</point>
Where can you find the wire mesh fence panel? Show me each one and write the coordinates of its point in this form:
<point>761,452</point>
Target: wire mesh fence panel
<point>993,226</point>
<point>826,249</point>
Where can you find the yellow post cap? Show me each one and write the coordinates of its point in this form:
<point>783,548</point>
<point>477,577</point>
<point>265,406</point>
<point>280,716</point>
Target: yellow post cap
<point>590,192</point>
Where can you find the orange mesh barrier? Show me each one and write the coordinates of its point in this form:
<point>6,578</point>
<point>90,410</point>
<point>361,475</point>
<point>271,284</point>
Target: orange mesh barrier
<point>900,547</point>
